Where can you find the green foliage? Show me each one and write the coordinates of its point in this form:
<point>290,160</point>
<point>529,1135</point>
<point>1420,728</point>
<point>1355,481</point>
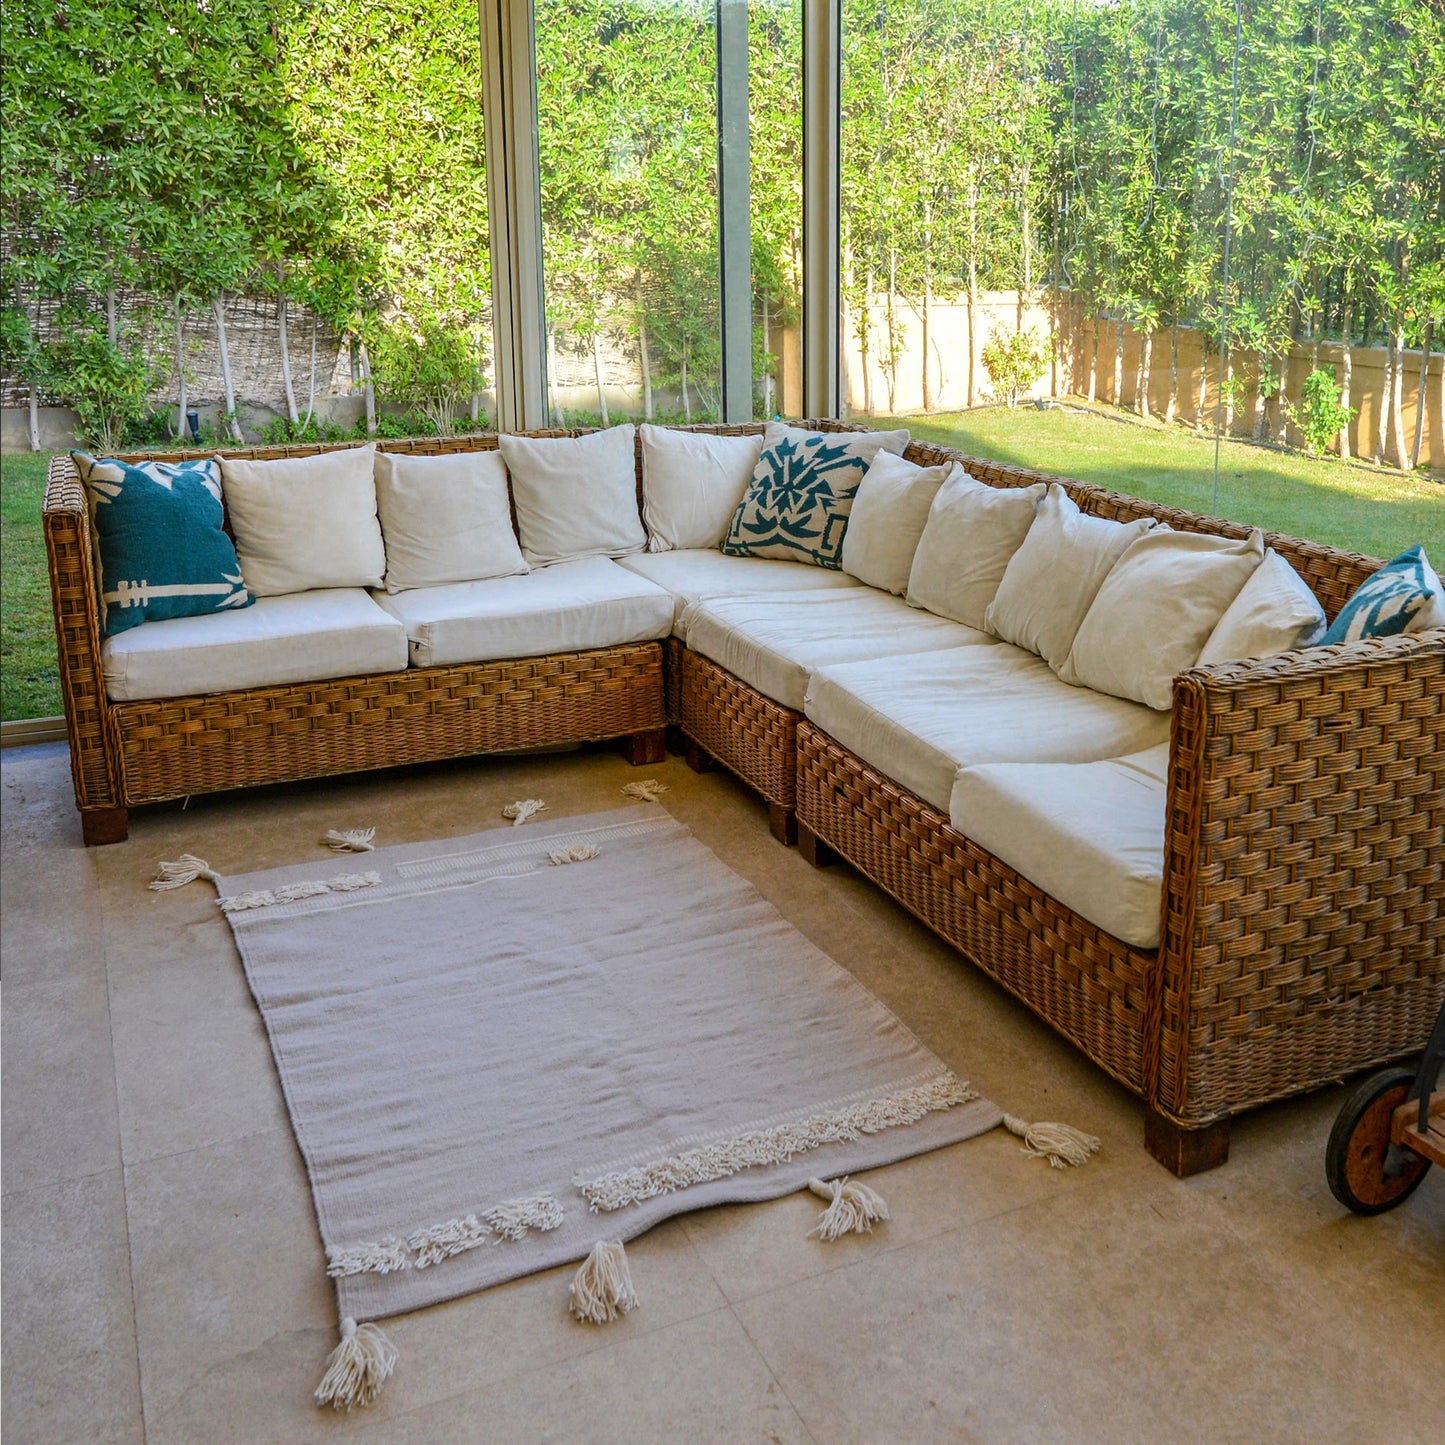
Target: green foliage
<point>431,368</point>
<point>280,430</point>
<point>1015,360</point>
<point>1319,414</point>
<point>107,383</point>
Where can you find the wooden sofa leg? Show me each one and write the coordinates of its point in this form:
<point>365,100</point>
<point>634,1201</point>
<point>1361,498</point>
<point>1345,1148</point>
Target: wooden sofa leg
<point>675,740</point>
<point>1186,1151</point>
<point>783,824</point>
<point>104,825</point>
<point>698,760</point>
<point>645,747</point>
<point>814,849</point>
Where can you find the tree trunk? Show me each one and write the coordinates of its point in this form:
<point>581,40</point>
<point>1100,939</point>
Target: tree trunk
<point>1172,405</point>
<point>972,331</point>
<point>1203,391</point>
<point>1420,397</point>
<point>1093,360</point>
<point>559,417</point>
<point>180,312</point>
<point>1141,383</point>
<point>1026,242</point>
<point>1256,423</point>
<point>1387,383</point>
<point>291,412</point>
<point>768,351</point>
<point>686,395</point>
<point>890,372</point>
<point>311,382</point>
<point>368,391</point>
<point>34,409</point>
<point>927,360</point>
<point>1228,392</point>
<point>112,323</point>
<point>644,355</point>
<point>597,375</point>
<point>864,338</point>
<point>1347,367</point>
<point>227,381</point>
<point>1281,401</point>
<point>1119,365</point>
<point>1397,397</point>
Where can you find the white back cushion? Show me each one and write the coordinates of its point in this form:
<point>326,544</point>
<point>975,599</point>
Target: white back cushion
<point>575,496</point>
<point>692,484</point>
<point>888,517</point>
<point>305,522</point>
<point>1054,576</point>
<point>1274,612</point>
<point>445,519</point>
<point>972,532</point>
<point>1155,611</point>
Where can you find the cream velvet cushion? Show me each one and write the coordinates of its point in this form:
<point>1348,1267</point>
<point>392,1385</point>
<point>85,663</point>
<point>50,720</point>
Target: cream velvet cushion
<point>888,517</point>
<point>1054,576</point>
<point>692,484</point>
<point>1274,612</point>
<point>445,519</point>
<point>305,522</point>
<point>1155,612</point>
<point>575,496</point>
<point>972,533</point>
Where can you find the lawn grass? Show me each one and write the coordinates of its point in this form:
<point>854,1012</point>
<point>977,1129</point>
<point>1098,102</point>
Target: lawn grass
<point>1360,509</point>
<point>1356,508</point>
<point>29,678</point>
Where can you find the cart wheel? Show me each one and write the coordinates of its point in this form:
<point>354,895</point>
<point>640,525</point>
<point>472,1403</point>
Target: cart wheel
<point>1365,1174</point>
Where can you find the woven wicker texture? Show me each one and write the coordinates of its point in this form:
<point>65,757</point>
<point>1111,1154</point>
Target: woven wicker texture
<point>742,729</point>
<point>1092,988</point>
<point>672,656</point>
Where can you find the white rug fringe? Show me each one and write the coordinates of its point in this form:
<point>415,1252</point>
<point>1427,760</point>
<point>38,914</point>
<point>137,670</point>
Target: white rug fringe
<point>1061,1144</point>
<point>358,1368</point>
<point>646,791</point>
<point>601,1290</point>
<point>854,1209</point>
<point>186,869</point>
<point>577,853</point>
<point>442,1241</point>
<point>384,1257</point>
<point>523,810</point>
<point>514,1219</point>
<point>350,840</point>
<point>772,1146</point>
<point>295,892</point>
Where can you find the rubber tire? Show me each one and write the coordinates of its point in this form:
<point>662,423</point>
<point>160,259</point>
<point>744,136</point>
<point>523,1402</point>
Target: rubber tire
<point>1362,1129</point>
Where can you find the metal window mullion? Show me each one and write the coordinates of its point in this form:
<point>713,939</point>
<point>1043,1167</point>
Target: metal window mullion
<point>822,294</point>
<point>735,261</point>
<point>509,111</point>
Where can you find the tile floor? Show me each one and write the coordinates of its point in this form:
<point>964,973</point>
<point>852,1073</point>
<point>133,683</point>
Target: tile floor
<point>163,1280</point>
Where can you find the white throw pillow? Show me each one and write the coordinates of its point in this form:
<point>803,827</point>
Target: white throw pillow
<point>1054,576</point>
<point>1155,611</point>
<point>1274,612</point>
<point>575,496</point>
<point>445,519</point>
<point>692,484</point>
<point>888,517</point>
<point>305,522</point>
<point>973,530</point>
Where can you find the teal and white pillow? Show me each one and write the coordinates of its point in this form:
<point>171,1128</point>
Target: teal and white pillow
<point>1405,595</point>
<point>163,552</point>
<point>797,504</point>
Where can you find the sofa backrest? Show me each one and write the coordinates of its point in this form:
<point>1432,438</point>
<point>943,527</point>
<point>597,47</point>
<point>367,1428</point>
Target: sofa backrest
<point>1331,573</point>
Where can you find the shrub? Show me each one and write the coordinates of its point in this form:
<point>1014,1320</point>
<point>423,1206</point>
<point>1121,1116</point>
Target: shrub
<point>428,367</point>
<point>1014,360</point>
<point>107,383</point>
<point>1319,414</point>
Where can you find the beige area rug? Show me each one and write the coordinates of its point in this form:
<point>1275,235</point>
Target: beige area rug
<point>493,1061</point>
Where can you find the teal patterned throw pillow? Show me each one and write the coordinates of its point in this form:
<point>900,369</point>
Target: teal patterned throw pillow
<point>162,550</point>
<point>796,506</point>
<point>1405,595</point>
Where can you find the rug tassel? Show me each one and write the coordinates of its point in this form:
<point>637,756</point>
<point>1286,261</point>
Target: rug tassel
<point>854,1209</point>
<point>577,853</point>
<point>186,869</point>
<point>602,1288</point>
<point>526,808</point>
<point>350,840</point>
<point>647,791</point>
<point>358,1369</point>
<point>1061,1144</point>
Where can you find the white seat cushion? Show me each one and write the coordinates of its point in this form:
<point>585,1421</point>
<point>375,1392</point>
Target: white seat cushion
<point>568,607</point>
<point>1089,834</point>
<point>919,719</point>
<point>298,637</point>
<point>689,575</point>
<point>775,644</point>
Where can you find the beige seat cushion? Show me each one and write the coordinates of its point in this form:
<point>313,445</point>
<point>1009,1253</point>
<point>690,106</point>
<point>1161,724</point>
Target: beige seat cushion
<point>568,607</point>
<point>300,637</point>
<point>1089,834</point>
<point>692,574</point>
<point>775,644</point>
<point>919,719</point>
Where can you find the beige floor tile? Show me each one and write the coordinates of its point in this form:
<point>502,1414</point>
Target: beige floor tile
<point>69,1336</point>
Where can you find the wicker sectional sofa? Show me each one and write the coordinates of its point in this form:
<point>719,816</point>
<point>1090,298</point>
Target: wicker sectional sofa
<point>1302,922</point>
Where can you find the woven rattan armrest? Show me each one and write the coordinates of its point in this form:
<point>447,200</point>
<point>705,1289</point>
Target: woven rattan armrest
<point>1304,914</point>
